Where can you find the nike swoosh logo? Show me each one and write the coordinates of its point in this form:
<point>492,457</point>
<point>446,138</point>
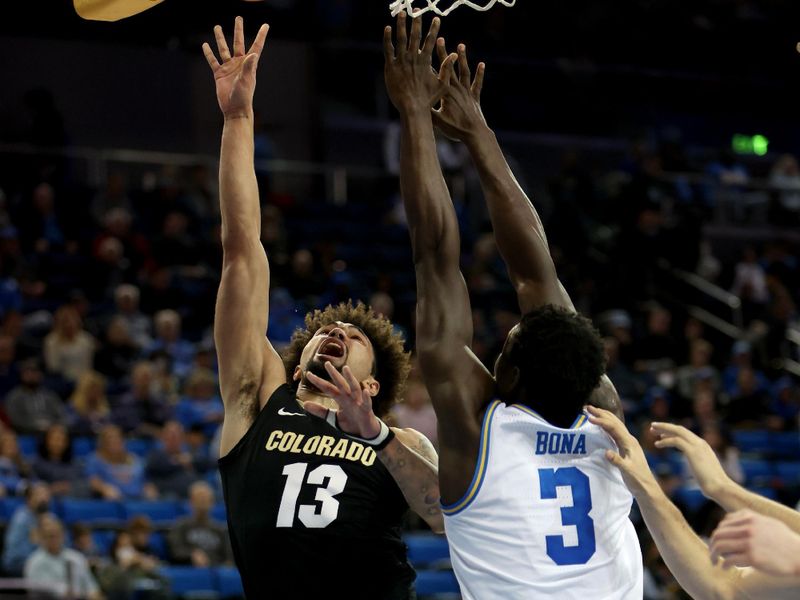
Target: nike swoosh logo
<point>282,412</point>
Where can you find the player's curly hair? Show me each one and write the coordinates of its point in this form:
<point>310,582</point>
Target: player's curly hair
<point>561,359</point>
<point>392,362</point>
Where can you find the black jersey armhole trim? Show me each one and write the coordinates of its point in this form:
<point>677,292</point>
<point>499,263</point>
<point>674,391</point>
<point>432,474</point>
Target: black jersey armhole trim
<point>262,414</point>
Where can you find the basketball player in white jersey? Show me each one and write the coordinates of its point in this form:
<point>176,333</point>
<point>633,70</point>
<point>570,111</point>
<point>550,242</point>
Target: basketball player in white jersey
<point>532,509</point>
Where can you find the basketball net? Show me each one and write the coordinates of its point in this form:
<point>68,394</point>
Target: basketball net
<point>408,6</point>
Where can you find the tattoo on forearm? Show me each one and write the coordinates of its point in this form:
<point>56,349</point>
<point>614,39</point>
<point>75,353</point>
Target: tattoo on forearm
<point>418,482</point>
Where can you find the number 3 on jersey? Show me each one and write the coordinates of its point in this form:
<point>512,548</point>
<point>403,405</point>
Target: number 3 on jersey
<point>309,514</point>
<point>576,515</point>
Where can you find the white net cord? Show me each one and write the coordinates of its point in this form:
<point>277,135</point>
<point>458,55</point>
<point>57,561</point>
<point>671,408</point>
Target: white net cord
<point>408,6</point>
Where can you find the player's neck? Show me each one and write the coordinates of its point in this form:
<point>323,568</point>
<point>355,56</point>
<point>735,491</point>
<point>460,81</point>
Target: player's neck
<point>309,394</point>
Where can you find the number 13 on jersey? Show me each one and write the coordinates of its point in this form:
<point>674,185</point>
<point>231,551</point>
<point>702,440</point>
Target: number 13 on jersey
<point>576,515</point>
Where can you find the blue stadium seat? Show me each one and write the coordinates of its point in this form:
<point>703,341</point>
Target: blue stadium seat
<point>190,581</point>
<point>426,549</point>
<point>757,472</point>
<point>139,446</point>
<point>757,442</point>
<point>28,446</point>
<point>691,498</point>
<point>218,513</point>
<point>8,506</point>
<point>788,473</point>
<point>229,583</point>
<point>160,512</point>
<point>97,513</point>
<point>436,582</point>
<point>83,446</point>
<point>103,539</point>
<point>786,445</point>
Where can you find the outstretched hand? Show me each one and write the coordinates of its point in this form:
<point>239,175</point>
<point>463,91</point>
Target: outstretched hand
<point>412,83</point>
<point>459,115</point>
<point>355,415</point>
<point>747,539</point>
<point>630,459</point>
<point>703,461</point>
<point>235,77</point>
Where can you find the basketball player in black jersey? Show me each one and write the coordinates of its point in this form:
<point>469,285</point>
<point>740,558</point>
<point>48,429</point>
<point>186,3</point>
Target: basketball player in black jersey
<point>314,497</point>
<point>553,355</point>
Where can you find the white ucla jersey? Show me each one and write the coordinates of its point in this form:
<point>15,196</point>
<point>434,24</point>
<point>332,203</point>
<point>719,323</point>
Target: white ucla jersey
<point>546,514</point>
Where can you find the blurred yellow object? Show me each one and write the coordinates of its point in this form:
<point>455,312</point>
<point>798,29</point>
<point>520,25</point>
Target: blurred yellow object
<point>111,10</point>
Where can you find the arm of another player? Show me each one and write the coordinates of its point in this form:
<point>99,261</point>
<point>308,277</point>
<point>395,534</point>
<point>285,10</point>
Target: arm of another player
<point>240,320</point>
<point>714,482</point>
<point>682,550</point>
<point>410,457</point>
<point>520,234</point>
<point>457,382</point>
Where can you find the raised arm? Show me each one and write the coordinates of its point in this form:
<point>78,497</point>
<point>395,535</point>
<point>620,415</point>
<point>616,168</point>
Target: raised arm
<point>249,368</point>
<point>714,482</point>
<point>457,382</point>
<point>697,570</point>
<point>520,235</point>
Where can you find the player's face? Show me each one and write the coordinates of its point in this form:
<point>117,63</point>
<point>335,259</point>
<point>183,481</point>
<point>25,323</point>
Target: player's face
<point>506,374</point>
<point>339,344</point>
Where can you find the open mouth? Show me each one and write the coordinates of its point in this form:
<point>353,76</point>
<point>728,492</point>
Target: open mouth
<point>331,349</point>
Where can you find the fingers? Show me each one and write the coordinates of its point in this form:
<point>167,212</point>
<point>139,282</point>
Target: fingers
<point>338,378</point>
<point>210,58</point>
<point>416,36</point>
<point>673,442</point>
<point>258,44</point>
<point>614,458</point>
<point>326,387</point>
<point>464,75</point>
<point>610,424</point>
<point>388,46</point>
<point>250,63</point>
<point>441,50</point>
<point>430,39</point>
<point>402,35</point>
<point>352,382</point>
<point>669,428</point>
<point>222,45</point>
<point>477,84</point>
<point>238,37</point>
<point>447,70</point>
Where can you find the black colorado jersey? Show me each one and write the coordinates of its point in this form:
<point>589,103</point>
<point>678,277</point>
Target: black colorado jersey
<point>311,511</point>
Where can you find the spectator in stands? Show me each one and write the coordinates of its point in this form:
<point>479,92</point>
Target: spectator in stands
<point>748,405</point>
<point>83,542</point>
<point>171,466</point>
<point>115,473</point>
<point>68,349</point>
<point>197,540</point>
<point>55,465</point>
<point>118,351</point>
<point>30,406</point>
<point>140,528</point>
<point>704,410</point>
<point>201,404</point>
<point>785,177</point>
<point>41,228</point>
<point>416,410</point>
<point>14,469</point>
<point>143,409</point>
<point>90,410</point>
<point>741,357</point>
<point>168,339</point>
<point>131,572</point>
<point>629,387</point>
<point>118,225</point>
<point>175,246</point>
<point>699,365</point>
<point>18,543</point>
<point>9,369</point>
<point>750,284</point>
<point>657,350</point>
<point>785,406</point>
<point>140,326</point>
<point>63,570</point>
